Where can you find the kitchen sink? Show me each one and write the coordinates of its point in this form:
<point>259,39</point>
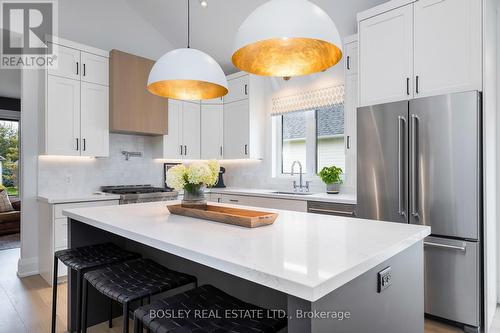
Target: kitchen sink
<point>293,193</point>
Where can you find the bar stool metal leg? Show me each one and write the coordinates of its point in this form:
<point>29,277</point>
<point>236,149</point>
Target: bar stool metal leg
<point>137,325</point>
<point>110,320</point>
<point>54,295</point>
<point>84,305</point>
<point>79,278</point>
<point>125,317</point>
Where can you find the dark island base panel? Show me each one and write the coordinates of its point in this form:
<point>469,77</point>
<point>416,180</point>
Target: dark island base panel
<point>399,308</point>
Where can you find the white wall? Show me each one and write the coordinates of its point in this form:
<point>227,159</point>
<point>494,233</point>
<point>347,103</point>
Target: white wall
<point>490,148</point>
<point>258,174</point>
<point>63,176</point>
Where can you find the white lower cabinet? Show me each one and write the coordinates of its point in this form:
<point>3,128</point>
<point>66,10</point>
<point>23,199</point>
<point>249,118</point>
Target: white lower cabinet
<point>264,202</point>
<point>53,234</point>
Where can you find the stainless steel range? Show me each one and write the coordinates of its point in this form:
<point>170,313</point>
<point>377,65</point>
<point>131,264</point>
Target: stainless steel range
<point>140,193</point>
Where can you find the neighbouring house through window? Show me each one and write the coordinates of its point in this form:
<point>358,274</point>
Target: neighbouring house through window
<point>315,138</point>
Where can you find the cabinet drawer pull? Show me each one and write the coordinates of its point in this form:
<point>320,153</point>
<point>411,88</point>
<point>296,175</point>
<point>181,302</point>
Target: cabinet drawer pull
<point>77,66</point>
<point>408,86</point>
<point>185,150</point>
<point>246,149</point>
<point>84,71</point>
<point>348,63</point>
<point>220,150</point>
<point>246,89</point>
<point>348,142</point>
<point>181,148</point>
<point>340,212</point>
<point>417,89</point>
<point>77,144</point>
<point>234,200</point>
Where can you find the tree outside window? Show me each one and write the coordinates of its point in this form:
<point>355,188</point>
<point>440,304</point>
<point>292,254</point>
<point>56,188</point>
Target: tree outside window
<point>9,151</point>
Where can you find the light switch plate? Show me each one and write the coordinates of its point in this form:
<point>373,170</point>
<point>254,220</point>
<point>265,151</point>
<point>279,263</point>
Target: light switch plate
<point>384,279</point>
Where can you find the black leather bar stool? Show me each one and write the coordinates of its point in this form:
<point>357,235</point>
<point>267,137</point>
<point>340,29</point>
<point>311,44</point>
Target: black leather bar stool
<point>82,260</point>
<point>135,280</point>
<point>182,313</point>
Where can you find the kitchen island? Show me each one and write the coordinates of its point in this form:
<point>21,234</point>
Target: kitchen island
<point>329,273</point>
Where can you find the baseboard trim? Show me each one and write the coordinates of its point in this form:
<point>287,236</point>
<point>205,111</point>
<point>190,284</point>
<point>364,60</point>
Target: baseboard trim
<point>27,267</point>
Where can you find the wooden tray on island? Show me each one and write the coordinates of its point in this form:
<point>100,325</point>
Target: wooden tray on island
<point>235,216</point>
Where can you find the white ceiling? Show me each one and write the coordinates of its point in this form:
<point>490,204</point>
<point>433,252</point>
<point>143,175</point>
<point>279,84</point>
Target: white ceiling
<point>152,27</point>
<point>213,28</point>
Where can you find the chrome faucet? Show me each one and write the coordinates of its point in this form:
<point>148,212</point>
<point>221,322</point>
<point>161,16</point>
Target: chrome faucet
<point>300,186</point>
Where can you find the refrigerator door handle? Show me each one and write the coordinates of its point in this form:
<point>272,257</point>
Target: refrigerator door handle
<point>414,165</point>
<point>445,246</point>
<point>401,132</point>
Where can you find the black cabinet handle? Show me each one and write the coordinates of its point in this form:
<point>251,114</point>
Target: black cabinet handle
<point>77,145</point>
<point>246,89</point>
<point>181,149</point>
<point>348,62</point>
<point>220,150</point>
<point>185,150</point>
<point>84,71</point>
<point>77,66</point>
<point>408,86</point>
<point>246,149</point>
<point>84,144</point>
<point>348,142</point>
<point>416,85</point>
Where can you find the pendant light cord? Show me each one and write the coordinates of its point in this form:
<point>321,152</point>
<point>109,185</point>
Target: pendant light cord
<point>189,25</point>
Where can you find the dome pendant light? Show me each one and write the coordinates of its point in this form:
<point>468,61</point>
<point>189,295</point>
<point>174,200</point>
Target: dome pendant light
<point>187,74</point>
<point>287,38</point>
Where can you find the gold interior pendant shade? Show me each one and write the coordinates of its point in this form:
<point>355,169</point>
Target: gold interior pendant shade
<point>287,38</point>
<point>287,57</point>
<point>187,89</point>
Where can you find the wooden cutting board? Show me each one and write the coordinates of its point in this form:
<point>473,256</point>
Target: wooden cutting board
<point>235,216</point>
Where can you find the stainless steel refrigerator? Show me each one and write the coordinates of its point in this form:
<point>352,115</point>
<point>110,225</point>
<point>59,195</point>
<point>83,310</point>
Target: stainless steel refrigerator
<point>420,162</point>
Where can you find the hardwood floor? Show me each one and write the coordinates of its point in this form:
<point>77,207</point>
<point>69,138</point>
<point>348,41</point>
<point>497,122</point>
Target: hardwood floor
<point>25,304</point>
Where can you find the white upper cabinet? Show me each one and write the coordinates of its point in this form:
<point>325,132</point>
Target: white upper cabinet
<point>447,46</point>
<point>62,118</point>
<point>68,62</point>
<point>386,56</point>
<point>238,85</point>
<point>75,121</point>
<point>94,119</point>
<point>424,48</point>
<point>191,130</point>
<point>216,129</point>
<point>95,69</point>
<point>351,56</point>
<point>183,138</point>
<point>170,146</point>
<point>212,131</point>
<point>237,130</point>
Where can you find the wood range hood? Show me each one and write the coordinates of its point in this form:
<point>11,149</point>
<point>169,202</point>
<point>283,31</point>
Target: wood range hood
<point>134,110</point>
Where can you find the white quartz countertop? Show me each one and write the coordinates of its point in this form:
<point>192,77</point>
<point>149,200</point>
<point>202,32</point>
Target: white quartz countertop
<point>301,254</point>
<point>77,197</point>
<point>322,197</point>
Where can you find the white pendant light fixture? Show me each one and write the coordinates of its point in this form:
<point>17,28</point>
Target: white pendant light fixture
<point>287,38</point>
<point>187,74</point>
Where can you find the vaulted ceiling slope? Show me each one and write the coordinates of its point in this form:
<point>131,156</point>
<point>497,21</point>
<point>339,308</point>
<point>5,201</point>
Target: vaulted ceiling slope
<point>112,24</point>
<point>213,28</point>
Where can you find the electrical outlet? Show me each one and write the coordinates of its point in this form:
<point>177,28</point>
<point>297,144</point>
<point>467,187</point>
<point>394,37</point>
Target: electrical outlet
<point>384,279</point>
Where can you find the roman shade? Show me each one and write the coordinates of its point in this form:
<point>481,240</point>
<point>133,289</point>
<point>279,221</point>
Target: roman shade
<point>308,100</point>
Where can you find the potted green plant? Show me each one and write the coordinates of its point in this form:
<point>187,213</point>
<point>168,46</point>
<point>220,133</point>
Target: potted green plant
<point>332,177</point>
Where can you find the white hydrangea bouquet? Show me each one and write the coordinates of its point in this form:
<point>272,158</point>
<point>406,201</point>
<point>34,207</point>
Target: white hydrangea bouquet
<point>193,178</point>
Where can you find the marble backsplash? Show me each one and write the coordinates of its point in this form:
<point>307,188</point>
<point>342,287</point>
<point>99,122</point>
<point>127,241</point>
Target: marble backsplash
<point>70,175</point>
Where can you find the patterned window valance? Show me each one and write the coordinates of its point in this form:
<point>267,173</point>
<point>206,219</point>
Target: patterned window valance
<point>307,100</point>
